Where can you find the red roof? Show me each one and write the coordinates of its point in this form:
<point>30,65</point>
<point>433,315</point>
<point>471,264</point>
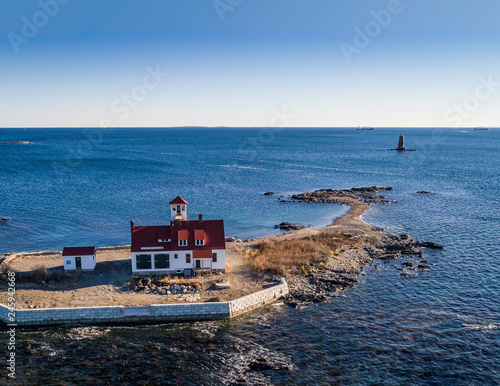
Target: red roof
<point>78,251</point>
<point>164,233</point>
<point>199,234</point>
<point>145,238</point>
<point>178,201</point>
<point>202,254</point>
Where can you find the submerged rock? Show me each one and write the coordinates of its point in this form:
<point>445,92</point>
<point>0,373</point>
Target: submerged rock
<point>372,189</point>
<point>425,192</point>
<point>261,364</point>
<point>286,226</point>
<point>268,193</point>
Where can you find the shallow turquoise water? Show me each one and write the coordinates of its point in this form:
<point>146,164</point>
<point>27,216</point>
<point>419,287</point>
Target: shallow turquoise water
<point>441,326</point>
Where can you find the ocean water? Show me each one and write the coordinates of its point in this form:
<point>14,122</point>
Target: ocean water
<point>76,186</point>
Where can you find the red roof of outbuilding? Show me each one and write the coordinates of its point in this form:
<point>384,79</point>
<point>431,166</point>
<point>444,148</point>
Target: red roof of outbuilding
<point>178,201</point>
<point>147,236</point>
<point>78,251</point>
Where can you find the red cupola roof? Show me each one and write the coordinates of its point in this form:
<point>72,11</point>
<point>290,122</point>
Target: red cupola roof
<point>178,201</point>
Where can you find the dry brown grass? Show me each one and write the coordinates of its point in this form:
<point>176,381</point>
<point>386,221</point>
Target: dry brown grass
<point>279,256</point>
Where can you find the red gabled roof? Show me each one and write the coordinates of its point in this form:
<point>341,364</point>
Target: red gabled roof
<point>147,236</point>
<point>164,233</point>
<point>199,234</point>
<point>178,201</point>
<point>78,251</point>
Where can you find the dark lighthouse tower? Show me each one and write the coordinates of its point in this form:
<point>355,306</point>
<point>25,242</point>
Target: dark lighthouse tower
<point>401,143</point>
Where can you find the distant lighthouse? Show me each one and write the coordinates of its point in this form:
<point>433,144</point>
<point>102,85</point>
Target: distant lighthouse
<point>401,143</point>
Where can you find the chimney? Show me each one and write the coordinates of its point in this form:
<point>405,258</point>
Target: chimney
<point>131,225</point>
<point>200,217</point>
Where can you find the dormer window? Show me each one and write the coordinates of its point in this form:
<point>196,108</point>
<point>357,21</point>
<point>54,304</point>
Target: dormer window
<point>163,240</point>
<point>182,236</point>
<point>199,237</point>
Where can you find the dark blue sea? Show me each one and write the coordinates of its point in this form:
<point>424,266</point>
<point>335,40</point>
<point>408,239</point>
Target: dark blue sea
<point>442,326</point>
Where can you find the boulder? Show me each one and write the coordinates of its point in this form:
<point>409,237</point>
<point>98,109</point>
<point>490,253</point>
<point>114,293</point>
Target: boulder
<point>425,192</point>
<point>5,219</point>
<point>230,239</point>
<point>268,193</point>
<point>222,285</point>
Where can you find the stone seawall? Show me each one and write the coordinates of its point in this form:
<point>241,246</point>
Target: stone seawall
<point>257,299</point>
<point>145,314</point>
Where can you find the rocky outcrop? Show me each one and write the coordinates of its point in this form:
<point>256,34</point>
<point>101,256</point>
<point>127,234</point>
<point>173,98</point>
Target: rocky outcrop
<point>429,244</point>
<point>286,226</point>
<point>5,219</point>
<point>368,194</point>
<point>317,286</point>
<point>268,193</point>
<point>425,192</point>
<point>230,239</point>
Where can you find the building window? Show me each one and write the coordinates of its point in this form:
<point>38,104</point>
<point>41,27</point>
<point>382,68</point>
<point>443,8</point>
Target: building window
<point>68,262</point>
<point>200,242</point>
<point>176,256</point>
<point>162,261</point>
<point>183,208</point>
<point>183,243</point>
<point>214,257</point>
<point>143,261</point>
<point>188,258</point>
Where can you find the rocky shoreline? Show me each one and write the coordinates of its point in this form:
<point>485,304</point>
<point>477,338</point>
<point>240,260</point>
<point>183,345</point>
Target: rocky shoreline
<point>326,281</point>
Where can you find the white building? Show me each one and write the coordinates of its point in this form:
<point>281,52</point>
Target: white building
<point>79,258</point>
<point>183,247</point>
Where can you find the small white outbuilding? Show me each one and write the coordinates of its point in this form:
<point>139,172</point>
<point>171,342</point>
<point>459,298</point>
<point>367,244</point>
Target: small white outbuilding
<point>78,259</point>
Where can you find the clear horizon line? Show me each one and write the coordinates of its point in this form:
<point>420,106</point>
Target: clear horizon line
<point>243,127</point>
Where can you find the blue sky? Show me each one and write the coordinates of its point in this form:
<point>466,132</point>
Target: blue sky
<point>234,62</point>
